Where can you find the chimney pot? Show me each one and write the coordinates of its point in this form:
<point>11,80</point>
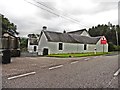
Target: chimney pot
<point>64,31</point>
<point>44,28</point>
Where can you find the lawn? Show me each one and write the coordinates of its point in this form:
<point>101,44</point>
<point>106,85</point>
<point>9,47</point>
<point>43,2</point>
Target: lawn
<point>65,55</point>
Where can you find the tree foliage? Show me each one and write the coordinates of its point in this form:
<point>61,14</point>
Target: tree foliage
<point>23,43</point>
<point>7,26</point>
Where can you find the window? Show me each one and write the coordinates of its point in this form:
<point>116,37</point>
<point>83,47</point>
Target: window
<point>85,47</point>
<point>33,41</point>
<point>60,46</point>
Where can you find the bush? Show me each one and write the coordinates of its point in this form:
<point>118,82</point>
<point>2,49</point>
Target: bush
<point>111,46</point>
<point>116,48</point>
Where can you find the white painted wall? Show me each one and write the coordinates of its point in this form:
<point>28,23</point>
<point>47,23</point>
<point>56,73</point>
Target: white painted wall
<point>99,47</point>
<point>31,47</point>
<point>43,43</point>
<point>67,48</point>
<point>91,47</point>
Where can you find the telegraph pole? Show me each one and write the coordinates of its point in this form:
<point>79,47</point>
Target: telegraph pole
<point>116,36</point>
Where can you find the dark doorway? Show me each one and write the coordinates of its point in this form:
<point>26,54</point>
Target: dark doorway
<point>85,46</point>
<point>45,51</point>
<point>35,48</point>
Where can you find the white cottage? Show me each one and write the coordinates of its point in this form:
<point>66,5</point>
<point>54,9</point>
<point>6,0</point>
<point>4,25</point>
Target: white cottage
<point>71,42</point>
<point>33,43</point>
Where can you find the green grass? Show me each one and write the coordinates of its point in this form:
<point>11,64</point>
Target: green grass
<point>65,55</point>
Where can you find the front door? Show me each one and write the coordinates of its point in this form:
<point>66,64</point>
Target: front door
<point>45,51</point>
<point>35,48</point>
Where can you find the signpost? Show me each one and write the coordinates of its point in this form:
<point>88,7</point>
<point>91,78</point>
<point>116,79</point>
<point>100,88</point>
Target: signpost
<point>103,42</point>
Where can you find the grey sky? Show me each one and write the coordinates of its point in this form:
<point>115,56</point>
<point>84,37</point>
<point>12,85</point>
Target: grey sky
<point>30,19</point>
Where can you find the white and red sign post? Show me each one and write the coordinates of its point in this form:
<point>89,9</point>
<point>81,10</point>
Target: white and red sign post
<point>103,42</point>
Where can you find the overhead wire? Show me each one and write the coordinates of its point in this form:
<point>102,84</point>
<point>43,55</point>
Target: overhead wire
<point>63,16</point>
<point>53,12</point>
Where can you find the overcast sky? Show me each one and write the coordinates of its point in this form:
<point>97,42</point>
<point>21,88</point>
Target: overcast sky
<point>68,15</point>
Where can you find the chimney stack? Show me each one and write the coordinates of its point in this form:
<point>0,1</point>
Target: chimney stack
<point>64,31</point>
<point>44,28</point>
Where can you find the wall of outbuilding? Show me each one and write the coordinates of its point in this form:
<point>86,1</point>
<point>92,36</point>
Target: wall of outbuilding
<point>100,47</point>
<point>31,47</point>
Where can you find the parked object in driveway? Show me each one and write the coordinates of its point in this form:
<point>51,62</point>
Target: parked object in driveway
<point>11,42</point>
<point>6,58</point>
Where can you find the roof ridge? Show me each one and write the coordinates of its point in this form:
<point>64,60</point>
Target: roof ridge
<point>77,30</point>
<point>52,31</point>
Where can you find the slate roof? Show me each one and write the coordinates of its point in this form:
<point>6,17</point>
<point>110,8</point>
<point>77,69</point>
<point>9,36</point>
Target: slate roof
<point>70,38</point>
<point>85,39</point>
<point>79,32</point>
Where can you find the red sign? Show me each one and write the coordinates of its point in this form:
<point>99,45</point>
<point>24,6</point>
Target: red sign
<point>103,41</point>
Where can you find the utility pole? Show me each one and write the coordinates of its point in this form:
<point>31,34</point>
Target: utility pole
<point>116,36</point>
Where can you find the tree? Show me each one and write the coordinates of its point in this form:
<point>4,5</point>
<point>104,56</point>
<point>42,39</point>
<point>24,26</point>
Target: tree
<point>23,43</point>
<point>7,26</point>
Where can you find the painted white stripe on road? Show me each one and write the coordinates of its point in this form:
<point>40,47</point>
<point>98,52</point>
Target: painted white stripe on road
<point>55,67</point>
<point>86,59</point>
<point>33,58</point>
<point>116,74</point>
<point>95,57</point>
<point>14,77</point>
<point>74,62</point>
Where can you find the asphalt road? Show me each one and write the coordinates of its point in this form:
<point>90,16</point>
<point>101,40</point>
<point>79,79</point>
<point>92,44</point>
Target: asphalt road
<point>87,72</point>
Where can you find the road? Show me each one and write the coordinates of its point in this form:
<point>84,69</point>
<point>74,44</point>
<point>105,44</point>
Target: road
<point>85,72</point>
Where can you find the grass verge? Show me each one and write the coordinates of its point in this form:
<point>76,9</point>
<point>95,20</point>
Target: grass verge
<point>66,55</point>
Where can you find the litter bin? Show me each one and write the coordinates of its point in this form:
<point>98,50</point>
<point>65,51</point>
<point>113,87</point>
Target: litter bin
<point>6,58</point>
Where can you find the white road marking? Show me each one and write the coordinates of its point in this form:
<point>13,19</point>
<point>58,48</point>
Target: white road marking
<point>95,57</point>
<point>117,72</point>
<point>74,62</point>
<point>34,64</point>
<point>33,58</point>
<point>22,75</point>
<point>86,59</point>
<point>55,67</point>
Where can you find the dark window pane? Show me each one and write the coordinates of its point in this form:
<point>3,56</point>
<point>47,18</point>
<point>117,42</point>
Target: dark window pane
<point>60,46</point>
<point>33,41</point>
